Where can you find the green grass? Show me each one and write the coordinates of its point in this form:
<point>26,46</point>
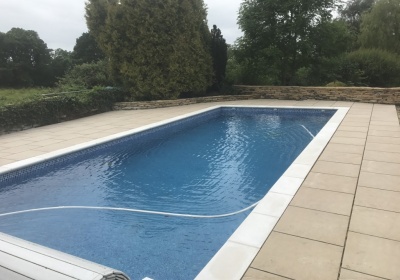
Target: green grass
<point>14,96</point>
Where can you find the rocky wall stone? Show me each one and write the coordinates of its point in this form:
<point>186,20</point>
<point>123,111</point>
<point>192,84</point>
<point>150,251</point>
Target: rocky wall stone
<point>352,94</point>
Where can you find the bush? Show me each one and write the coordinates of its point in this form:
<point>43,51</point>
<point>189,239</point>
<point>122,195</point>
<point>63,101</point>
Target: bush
<point>48,110</point>
<point>336,84</point>
<point>370,67</point>
<point>86,76</point>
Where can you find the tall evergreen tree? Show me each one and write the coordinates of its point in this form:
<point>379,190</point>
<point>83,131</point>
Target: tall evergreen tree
<point>219,53</point>
<point>157,48</point>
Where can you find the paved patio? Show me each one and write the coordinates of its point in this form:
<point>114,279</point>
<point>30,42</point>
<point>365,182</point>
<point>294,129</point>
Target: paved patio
<point>344,222</point>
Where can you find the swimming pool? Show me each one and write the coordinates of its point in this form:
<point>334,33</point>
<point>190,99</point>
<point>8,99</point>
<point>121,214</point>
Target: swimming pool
<point>171,197</point>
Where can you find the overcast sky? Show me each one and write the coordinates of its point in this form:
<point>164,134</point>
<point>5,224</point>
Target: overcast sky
<point>60,22</point>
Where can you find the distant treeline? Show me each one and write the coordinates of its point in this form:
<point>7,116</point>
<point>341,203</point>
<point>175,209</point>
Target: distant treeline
<point>163,49</point>
<point>299,42</point>
<point>26,61</point>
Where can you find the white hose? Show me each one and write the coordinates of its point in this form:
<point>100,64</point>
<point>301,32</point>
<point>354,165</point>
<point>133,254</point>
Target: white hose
<point>309,132</point>
<point>132,210</point>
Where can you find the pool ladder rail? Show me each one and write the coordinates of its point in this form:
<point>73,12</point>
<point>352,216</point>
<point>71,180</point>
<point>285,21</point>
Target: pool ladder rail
<point>23,260</point>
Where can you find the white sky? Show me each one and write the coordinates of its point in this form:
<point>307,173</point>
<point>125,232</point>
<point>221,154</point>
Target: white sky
<point>60,22</point>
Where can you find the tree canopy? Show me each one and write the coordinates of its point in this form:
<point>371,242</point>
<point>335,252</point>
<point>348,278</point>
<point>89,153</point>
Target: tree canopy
<point>279,36</point>
<point>381,27</point>
<point>353,11</point>
<point>87,50</point>
<point>158,49</point>
<point>24,58</point>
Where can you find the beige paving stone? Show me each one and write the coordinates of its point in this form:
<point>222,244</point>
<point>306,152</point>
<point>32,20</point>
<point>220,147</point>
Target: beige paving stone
<point>390,148</point>
<point>335,168</point>
<point>376,222</point>
<point>392,122</point>
<point>382,156</point>
<point>385,127</point>
<point>23,155</point>
<point>331,182</point>
<point>255,274</point>
<point>63,144</point>
<point>382,133</point>
<point>89,131</point>
<point>4,161</point>
<point>383,140</point>
<point>347,140</point>
<point>67,137</point>
<point>49,141</point>
<point>342,148</point>
<point>378,199</point>
<point>343,104</point>
<point>385,120</point>
<point>324,103</point>
<point>327,201</point>
<point>299,258</point>
<point>96,135</point>
<point>41,137</point>
<point>363,124</point>
<point>372,255</point>
<point>358,111</point>
<point>363,105</point>
<point>387,168</point>
<point>343,127</point>
<point>353,275</point>
<point>362,120</point>
<point>351,134</point>
<point>21,149</point>
<point>341,157</point>
<point>379,181</point>
<point>313,224</point>
<point>16,143</point>
<point>357,117</point>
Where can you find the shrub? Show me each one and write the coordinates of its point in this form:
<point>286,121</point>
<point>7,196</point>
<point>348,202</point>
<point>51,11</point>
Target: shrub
<point>336,84</point>
<point>370,67</point>
<point>86,76</point>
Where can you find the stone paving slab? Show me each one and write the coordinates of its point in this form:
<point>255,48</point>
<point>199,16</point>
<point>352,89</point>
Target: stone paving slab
<point>372,255</point>
<point>375,222</point>
<point>353,275</point>
<point>325,201</point>
<point>331,182</point>
<point>296,258</point>
<point>379,181</point>
<point>315,225</point>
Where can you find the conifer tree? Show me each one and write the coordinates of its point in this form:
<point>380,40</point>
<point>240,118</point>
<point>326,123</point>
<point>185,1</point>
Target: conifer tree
<point>156,48</point>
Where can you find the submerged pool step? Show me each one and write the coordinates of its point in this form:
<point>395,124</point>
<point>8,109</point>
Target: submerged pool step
<point>20,260</point>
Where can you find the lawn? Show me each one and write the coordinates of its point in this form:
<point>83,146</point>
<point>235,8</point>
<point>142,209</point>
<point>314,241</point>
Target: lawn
<point>13,96</point>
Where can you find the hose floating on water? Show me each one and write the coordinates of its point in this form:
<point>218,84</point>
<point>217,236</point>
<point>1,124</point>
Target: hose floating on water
<point>132,210</point>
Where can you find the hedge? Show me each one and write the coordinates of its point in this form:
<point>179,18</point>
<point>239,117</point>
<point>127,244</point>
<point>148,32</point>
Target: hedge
<point>58,108</point>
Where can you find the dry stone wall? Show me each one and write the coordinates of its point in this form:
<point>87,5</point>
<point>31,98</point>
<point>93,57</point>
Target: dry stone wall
<point>353,94</point>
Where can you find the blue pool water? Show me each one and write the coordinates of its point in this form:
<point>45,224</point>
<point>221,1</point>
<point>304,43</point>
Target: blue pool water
<point>219,162</point>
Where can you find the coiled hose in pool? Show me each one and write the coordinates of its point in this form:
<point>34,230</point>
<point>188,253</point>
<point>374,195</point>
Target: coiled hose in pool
<point>133,210</point>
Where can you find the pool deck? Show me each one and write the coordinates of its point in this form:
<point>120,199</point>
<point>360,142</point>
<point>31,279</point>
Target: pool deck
<point>343,223</point>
